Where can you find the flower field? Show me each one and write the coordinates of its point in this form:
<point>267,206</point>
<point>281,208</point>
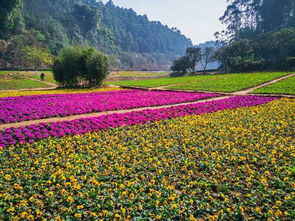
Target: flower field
<point>233,162</point>
<point>32,133</point>
<point>16,109</point>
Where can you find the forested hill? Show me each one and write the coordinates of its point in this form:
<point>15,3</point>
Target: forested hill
<point>133,38</point>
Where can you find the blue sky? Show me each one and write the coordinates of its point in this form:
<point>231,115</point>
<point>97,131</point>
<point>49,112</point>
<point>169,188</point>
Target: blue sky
<point>197,19</point>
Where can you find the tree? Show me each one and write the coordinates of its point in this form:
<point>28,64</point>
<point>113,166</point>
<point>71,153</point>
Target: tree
<point>275,15</point>
<point>259,15</point>
<point>106,27</point>
<point>268,51</point>
<point>207,56</point>
<point>3,46</point>
<point>80,66</point>
<point>36,56</point>
<point>236,56</point>
<point>181,65</point>
<point>194,56</point>
<point>10,17</point>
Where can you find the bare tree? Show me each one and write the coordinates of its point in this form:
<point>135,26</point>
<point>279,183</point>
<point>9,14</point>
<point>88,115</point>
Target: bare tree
<point>207,56</point>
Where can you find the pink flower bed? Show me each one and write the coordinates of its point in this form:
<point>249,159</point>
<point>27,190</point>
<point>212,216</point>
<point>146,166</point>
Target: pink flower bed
<point>33,133</point>
<point>17,109</point>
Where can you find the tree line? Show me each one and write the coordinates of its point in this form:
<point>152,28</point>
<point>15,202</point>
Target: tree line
<point>260,35</point>
<point>54,24</point>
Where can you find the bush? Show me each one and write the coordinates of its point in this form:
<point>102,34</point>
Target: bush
<point>80,66</point>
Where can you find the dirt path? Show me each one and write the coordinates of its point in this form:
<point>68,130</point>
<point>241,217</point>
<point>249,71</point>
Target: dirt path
<point>273,95</point>
<point>45,82</point>
<point>249,90</point>
<point>74,117</point>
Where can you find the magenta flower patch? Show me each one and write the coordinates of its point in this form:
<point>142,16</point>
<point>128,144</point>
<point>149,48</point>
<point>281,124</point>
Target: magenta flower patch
<point>17,109</point>
<point>33,133</point>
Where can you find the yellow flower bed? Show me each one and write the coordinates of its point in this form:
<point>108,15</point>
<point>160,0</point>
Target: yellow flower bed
<point>230,165</point>
<point>60,91</point>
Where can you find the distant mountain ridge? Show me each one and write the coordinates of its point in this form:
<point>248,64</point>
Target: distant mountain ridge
<point>136,42</point>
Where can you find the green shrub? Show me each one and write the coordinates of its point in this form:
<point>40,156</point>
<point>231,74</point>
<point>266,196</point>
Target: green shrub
<point>80,66</point>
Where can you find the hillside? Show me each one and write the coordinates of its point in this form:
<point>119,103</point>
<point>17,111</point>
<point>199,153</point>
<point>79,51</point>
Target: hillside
<point>137,42</point>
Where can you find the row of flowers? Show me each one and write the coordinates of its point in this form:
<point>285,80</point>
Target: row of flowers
<point>57,91</point>
<point>16,109</point>
<point>32,133</point>
<point>230,165</point>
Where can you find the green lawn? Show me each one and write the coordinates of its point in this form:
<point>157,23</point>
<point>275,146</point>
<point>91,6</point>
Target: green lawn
<point>139,74</point>
<point>7,72</point>
<point>159,82</point>
<point>220,82</point>
<point>286,86</point>
<point>48,74</point>
<point>13,83</point>
<point>232,82</point>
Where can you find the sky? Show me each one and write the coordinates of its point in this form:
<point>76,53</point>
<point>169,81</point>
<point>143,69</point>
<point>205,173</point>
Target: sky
<point>196,19</point>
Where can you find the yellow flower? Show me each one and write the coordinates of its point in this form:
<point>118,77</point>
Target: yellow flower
<point>279,203</point>
<point>24,215</point>
<point>171,198</point>
<point>105,212</point>
<point>77,187</point>
<point>31,218</point>
<point>63,192</point>
<point>80,206</point>
<point>158,217</point>
<point>258,209</point>
<point>174,206</point>
<point>78,215</point>
<point>139,207</point>
<point>192,218</point>
<point>11,209</point>
<point>49,194</point>
<point>7,177</point>
<point>278,213</point>
<point>117,216</point>
<point>70,199</point>
<point>157,203</point>
<point>131,196</point>
<point>16,186</point>
<point>15,218</point>
<point>39,213</point>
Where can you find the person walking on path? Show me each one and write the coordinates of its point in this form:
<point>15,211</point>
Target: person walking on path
<point>42,76</point>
